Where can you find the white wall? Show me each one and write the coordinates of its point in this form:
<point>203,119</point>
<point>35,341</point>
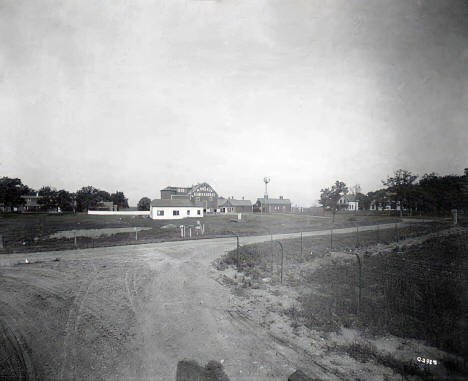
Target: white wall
<point>168,215</point>
<point>120,213</point>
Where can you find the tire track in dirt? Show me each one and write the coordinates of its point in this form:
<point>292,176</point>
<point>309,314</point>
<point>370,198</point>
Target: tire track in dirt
<point>71,329</point>
<point>130,288</point>
<point>15,347</point>
<point>240,319</point>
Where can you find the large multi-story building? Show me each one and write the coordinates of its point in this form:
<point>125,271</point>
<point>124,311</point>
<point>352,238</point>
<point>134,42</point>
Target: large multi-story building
<point>202,192</point>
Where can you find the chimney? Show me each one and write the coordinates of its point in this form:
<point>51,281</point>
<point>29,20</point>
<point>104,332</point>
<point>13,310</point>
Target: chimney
<point>466,171</point>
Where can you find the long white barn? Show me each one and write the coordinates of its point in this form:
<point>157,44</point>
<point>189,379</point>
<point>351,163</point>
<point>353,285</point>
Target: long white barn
<point>175,209</point>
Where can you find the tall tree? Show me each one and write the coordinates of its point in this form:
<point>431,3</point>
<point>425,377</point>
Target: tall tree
<point>144,204</point>
<point>329,197</point>
<point>401,184</point>
<point>65,200</point>
<point>118,198</point>
<point>89,197</point>
<point>48,200</point>
<point>11,191</point>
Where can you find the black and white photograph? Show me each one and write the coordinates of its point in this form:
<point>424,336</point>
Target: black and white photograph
<point>234,190</point>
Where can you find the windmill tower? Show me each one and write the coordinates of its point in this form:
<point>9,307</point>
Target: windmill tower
<point>266,180</point>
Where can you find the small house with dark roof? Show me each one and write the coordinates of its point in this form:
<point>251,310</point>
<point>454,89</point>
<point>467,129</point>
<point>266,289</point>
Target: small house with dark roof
<point>232,206</point>
<point>171,209</point>
<point>273,205</point>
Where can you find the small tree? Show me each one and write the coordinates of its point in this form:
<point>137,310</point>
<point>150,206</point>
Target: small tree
<point>144,204</point>
<point>329,197</point>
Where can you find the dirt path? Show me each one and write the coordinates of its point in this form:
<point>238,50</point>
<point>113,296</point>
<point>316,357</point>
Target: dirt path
<point>132,312</point>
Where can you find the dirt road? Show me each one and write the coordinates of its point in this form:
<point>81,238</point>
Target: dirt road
<point>132,312</point>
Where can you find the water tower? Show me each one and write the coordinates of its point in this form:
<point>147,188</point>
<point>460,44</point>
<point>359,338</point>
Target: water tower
<point>266,180</point>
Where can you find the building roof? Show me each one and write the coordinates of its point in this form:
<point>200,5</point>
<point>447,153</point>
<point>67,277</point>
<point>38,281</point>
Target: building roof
<point>171,188</point>
<point>277,201</point>
<point>232,202</point>
<point>349,198</point>
<point>179,202</point>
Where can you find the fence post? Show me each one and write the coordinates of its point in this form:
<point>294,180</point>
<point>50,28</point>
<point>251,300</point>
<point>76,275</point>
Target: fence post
<point>378,233</point>
<point>238,253</point>
<point>360,284</point>
<point>357,235</point>
<point>136,234</point>
<point>331,238</point>
<point>454,216</point>
<point>272,255</point>
<point>397,233</point>
<point>1,241</point>
<point>282,261</point>
<point>75,239</point>
<point>301,243</point>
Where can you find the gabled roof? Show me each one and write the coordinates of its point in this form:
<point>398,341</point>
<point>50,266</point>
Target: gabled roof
<point>179,202</point>
<point>277,201</point>
<point>232,202</point>
<point>195,187</point>
<point>349,198</point>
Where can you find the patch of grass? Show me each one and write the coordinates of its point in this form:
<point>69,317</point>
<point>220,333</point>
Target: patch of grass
<point>26,233</point>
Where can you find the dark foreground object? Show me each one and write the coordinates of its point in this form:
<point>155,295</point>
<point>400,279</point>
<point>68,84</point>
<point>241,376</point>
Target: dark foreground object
<point>189,370</point>
<point>299,375</point>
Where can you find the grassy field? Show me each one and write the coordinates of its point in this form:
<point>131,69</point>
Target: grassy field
<point>32,232</point>
<point>413,286</point>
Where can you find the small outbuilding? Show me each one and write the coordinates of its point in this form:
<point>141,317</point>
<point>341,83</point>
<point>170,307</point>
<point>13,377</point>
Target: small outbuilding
<point>231,206</point>
<point>171,209</point>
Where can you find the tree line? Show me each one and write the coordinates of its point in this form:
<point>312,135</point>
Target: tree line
<point>431,194</point>
<point>88,197</point>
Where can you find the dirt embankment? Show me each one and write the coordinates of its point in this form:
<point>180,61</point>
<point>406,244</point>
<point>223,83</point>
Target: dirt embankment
<point>317,308</point>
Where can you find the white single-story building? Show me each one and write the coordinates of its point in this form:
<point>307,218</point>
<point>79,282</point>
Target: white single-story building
<point>175,209</point>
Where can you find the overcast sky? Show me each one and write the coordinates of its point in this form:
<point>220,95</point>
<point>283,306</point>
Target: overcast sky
<point>136,95</point>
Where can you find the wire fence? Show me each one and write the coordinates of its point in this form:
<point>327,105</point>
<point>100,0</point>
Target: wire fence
<point>378,279</point>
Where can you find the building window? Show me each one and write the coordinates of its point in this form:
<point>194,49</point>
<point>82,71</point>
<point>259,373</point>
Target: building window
<point>188,212</point>
<point>198,212</point>
<point>160,212</point>
<point>175,212</point>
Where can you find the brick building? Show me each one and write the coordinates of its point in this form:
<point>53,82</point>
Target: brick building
<point>272,205</point>
<point>202,192</point>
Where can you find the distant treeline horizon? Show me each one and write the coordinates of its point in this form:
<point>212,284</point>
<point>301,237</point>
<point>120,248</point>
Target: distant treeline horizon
<point>431,193</point>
